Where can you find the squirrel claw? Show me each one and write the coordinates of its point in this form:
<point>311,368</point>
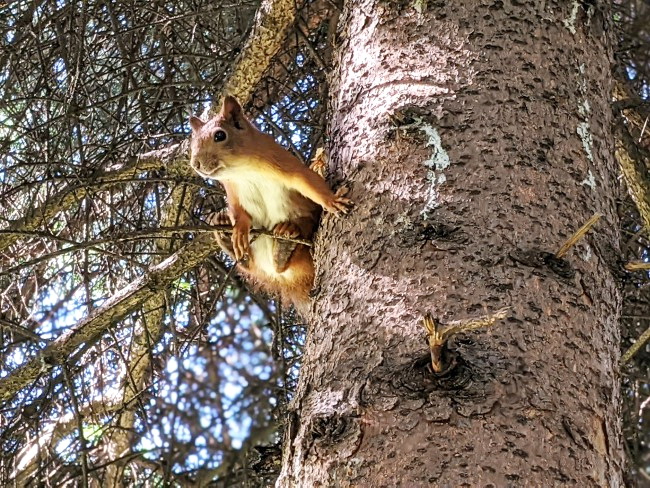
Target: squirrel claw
<point>240,251</point>
<point>286,229</point>
<point>342,191</point>
<point>340,205</point>
<point>221,218</point>
<point>240,242</point>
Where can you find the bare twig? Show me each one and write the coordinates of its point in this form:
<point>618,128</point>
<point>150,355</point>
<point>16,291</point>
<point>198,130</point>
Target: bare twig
<point>66,197</point>
<point>640,342</point>
<point>438,335</point>
<point>148,234</point>
<point>80,427</point>
<point>637,266</point>
<point>20,330</point>
<point>645,124</point>
<point>135,235</point>
<point>579,234</point>
<point>218,295</point>
<point>116,308</point>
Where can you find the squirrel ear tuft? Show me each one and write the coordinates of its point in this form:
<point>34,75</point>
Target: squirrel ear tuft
<point>196,123</point>
<point>231,111</point>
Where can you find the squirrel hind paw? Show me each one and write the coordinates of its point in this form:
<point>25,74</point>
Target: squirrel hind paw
<point>286,229</point>
<point>240,242</point>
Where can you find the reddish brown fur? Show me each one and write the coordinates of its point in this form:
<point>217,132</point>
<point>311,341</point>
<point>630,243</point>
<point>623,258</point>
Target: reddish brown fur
<point>265,186</point>
<point>300,265</point>
<point>294,291</point>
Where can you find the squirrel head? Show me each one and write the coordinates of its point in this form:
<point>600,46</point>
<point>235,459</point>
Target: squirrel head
<point>222,142</point>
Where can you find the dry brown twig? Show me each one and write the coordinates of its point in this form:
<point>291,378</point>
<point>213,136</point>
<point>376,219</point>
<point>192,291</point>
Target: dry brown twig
<point>640,342</point>
<point>438,335</point>
<point>637,266</point>
<point>579,234</point>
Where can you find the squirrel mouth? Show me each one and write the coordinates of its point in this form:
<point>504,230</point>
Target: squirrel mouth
<point>209,172</point>
<point>215,171</point>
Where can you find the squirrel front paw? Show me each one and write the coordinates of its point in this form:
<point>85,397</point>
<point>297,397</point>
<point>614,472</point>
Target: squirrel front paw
<point>241,239</point>
<point>339,204</point>
<point>221,218</point>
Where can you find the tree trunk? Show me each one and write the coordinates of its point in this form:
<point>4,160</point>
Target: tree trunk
<point>475,136</point>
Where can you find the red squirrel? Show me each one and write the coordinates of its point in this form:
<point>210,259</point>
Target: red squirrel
<point>266,188</point>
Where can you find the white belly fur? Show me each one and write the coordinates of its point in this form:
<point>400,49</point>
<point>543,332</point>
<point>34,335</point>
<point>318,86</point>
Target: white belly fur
<point>267,202</point>
<point>262,250</point>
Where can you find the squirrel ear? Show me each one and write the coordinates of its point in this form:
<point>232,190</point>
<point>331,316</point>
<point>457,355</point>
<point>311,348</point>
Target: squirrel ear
<point>231,111</point>
<point>196,123</point>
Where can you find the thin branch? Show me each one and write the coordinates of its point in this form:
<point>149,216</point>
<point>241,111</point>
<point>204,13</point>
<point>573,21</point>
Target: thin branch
<point>637,266</point>
<point>65,198</point>
<point>149,234</point>
<point>217,296</point>
<point>579,234</point>
<point>80,427</point>
<point>114,309</point>
<point>167,232</point>
<point>640,342</point>
<point>21,331</point>
<point>438,335</point>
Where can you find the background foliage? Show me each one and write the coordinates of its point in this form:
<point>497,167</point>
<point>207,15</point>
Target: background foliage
<point>190,387</point>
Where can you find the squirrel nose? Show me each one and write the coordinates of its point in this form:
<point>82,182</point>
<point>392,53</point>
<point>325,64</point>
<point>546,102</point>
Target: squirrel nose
<point>196,163</point>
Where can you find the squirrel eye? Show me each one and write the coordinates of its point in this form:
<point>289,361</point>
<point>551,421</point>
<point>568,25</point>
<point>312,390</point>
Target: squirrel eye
<point>220,136</point>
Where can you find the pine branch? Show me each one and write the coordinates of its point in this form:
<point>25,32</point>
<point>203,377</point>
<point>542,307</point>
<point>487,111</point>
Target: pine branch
<point>43,214</point>
<point>159,279</point>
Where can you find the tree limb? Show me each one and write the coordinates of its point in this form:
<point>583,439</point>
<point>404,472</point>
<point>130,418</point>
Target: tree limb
<point>631,157</point>
<point>62,200</point>
<point>119,306</point>
<point>272,23</point>
<point>632,162</point>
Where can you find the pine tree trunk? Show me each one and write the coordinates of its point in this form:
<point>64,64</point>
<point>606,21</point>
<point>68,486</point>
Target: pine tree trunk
<point>475,136</point>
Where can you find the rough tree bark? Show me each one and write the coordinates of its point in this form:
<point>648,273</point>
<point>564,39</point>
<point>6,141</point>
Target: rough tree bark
<point>476,138</point>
